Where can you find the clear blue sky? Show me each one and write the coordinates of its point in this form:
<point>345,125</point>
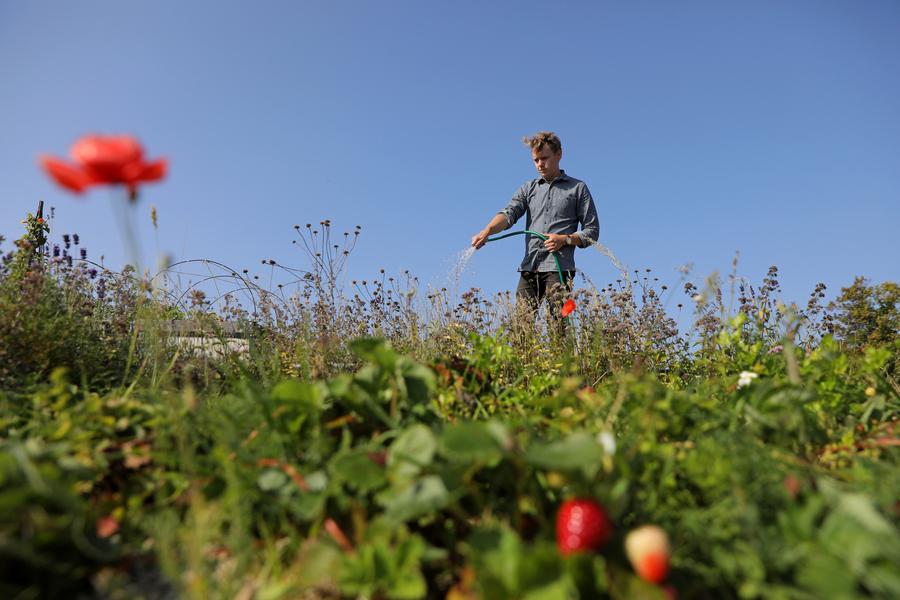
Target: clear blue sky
<point>701,128</point>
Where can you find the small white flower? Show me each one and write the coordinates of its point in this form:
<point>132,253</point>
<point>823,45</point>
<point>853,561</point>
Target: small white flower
<point>746,377</point>
<point>698,297</point>
<point>607,441</point>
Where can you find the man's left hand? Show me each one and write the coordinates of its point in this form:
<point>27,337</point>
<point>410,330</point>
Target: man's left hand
<point>554,241</point>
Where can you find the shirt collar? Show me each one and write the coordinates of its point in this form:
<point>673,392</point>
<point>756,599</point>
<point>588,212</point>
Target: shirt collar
<point>562,175</point>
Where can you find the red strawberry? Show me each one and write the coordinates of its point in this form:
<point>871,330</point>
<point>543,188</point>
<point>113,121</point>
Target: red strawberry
<point>582,524</point>
<point>647,548</point>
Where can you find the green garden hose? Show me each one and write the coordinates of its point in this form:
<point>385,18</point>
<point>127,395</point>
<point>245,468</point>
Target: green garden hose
<point>540,235</point>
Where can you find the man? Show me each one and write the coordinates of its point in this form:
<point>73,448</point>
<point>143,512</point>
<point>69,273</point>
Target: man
<point>553,204</point>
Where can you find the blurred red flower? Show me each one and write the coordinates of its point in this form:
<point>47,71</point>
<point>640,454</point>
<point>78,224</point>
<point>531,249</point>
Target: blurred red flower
<point>71,178</point>
<point>109,160</point>
<point>107,526</point>
<point>568,307</point>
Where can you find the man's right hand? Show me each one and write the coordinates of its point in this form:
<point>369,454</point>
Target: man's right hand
<point>498,223</point>
<point>480,238</point>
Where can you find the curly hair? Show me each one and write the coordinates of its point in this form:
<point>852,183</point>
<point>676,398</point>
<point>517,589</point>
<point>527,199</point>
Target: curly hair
<point>538,140</point>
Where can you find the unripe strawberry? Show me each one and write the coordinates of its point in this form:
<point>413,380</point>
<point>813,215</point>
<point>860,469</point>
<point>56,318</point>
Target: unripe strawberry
<point>647,548</point>
<point>582,525</point>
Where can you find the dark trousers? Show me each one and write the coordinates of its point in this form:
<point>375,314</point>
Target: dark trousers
<point>534,287</point>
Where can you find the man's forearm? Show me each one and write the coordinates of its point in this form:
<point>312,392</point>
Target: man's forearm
<point>497,224</point>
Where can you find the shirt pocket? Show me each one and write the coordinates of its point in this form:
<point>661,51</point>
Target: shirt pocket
<point>565,205</point>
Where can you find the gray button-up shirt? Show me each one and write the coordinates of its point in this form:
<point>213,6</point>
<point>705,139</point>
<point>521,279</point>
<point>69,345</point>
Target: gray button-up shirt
<point>556,207</point>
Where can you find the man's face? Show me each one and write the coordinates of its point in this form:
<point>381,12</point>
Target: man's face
<point>546,161</point>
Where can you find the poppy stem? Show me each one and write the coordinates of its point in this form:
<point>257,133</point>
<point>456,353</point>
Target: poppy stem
<point>125,214</point>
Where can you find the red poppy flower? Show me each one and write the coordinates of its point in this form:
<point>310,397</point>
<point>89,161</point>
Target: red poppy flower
<point>69,177</point>
<point>568,307</point>
<point>105,160</point>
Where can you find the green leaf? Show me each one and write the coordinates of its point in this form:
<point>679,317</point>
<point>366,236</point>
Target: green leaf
<point>409,583</point>
<point>471,442</point>
<point>291,391</point>
<point>308,506</point>
<point>317,481</point>
<point>561,589</point>
<point>860,508</point>
<point>383,571</point>
<point>411,451</point>
<point>827,576</point>
<point>415,499</point>
<point>358,471</point>
<point>420,382</point>
<point>376,351</point>
<point>497,555</point>
<point>320,563</point>
<point>579,450</point>
<point>541,570</point>
<point>271,480</point>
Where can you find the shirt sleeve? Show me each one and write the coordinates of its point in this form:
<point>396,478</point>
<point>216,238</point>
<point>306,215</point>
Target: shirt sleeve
<point>587,216</point>
<point>517,206</point>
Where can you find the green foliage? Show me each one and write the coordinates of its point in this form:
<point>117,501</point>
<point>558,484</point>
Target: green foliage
<point>763,494</point>
<point>47,545</point>
<point>51,317</point>
<point>130,468</point>
<point>868,315</point>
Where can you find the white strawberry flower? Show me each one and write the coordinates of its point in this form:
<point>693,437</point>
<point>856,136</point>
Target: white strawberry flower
<point>607,441</point>
<point>746,378</point>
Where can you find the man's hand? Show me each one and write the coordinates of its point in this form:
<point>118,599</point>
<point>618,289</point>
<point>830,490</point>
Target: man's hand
<point>554,241</point>
<point>498,223</point>
<point>479,239</point>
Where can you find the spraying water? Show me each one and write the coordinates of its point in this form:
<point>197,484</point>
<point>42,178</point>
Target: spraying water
<point>605,251</point>
<point>462,260</point>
